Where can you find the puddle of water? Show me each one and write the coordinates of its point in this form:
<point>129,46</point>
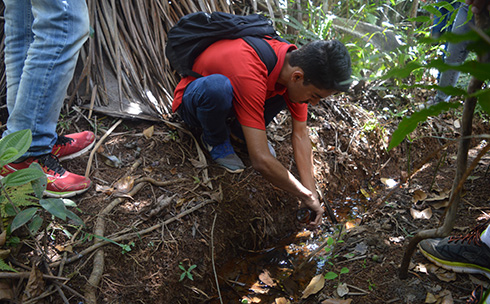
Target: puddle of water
<point>270,274</point>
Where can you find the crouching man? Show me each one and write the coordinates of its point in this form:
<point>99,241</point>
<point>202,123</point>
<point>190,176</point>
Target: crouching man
<point>236,83</point>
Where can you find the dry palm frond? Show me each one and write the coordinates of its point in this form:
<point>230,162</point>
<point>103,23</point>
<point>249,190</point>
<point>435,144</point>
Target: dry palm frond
<point>124,59</point>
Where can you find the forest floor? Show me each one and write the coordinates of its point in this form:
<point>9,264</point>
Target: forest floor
<point>166,206</point>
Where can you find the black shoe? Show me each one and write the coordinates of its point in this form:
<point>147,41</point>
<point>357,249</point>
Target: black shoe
<point>467,253</point>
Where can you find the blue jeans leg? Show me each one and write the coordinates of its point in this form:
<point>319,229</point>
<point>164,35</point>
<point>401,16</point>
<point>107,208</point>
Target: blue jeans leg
<point>457,52</point>
<point>206,104</point>
<point>42,42</point>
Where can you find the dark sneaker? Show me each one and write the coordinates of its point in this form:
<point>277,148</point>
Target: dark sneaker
<point>225,156</point>
<point>61,183</point>
<point>479,296</point>
<point>73,145</point>
<point>466,253</point>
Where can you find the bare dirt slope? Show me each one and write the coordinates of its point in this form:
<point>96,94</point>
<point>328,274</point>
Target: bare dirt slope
<point>231,221</point>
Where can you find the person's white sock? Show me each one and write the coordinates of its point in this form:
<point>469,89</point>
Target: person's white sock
<point>485,236</point>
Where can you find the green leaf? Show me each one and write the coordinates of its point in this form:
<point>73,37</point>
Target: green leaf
<point>39,185</point>
<point>6,267</point>
<point>22,177</point>
<point>9,210</point>
<point>344,270</point>
<point>54,206</point>
<point>22,218</point>
<point>189,275</point>
<point>35,224</point>
<point>69,202</point>
<point>19,141</point>
<point>409,123</point>
<point>420,19</point>
<point>74,218</point>
<point>330,275</point>
<point>192,267</point>
<point>484,100</point>
<point>182,276</point>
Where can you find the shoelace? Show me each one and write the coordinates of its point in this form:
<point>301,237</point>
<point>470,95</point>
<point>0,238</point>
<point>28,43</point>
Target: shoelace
<point>471,237</point>
<point>52,163</point>
<point>63,140</point>
<point>475,296</point>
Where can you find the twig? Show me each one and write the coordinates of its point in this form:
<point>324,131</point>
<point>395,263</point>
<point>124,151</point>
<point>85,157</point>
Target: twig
<point>99,143</point>
<point>212,258</point>
<point>132,234</point>
<point>25,275</point>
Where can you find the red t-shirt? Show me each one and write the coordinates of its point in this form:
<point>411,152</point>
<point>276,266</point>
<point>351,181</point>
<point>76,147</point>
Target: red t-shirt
<point>238,61</point>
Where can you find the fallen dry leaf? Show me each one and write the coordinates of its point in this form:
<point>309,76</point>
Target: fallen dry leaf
<point>148,133</point>
<point>316,284</point>
<point>282,301</point>
<point>265,277</point>
<point>430,298</point>
<point>442,204</point>
<point>62,248</point>
<point>418,195</point>
<point>125,184</point>
<point>104,189</point>
<point>35,285</point>
<point>342,289</point>
<point>424,214</point>
<point>446,297</point>
<point>447,276</point>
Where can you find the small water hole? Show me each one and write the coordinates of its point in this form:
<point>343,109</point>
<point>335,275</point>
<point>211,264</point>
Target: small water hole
<point>263,277</point>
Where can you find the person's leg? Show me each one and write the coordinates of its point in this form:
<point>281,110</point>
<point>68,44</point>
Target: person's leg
<point>43,39</point>
<point>18,38</point>
<point>60,28</point>
<point>206,104</point>
<point>457,53</point>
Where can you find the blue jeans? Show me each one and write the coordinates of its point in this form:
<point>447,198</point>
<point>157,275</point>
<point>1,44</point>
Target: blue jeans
<point>42,41</point>
<point>457,52</point>
<point>207,104</point>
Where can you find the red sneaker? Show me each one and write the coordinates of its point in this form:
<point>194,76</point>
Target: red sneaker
<point>61,183</point>
<point>73,145</point>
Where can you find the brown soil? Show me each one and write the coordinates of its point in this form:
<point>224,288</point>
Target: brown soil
<point>247,226</point>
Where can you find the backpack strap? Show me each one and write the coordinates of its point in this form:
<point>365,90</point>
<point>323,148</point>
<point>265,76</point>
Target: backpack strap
<point>264,50</point>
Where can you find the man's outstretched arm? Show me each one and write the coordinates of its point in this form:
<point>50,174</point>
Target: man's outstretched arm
<point>273,171</point>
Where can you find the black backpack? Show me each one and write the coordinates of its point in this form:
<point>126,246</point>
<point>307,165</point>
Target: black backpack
<point>195,32</point>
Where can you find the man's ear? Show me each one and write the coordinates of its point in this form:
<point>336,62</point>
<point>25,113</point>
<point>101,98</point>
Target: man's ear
<point>297,75</point>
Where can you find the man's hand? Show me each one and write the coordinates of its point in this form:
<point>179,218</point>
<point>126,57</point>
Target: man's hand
<point>479,6</point>
<point>314,204</point>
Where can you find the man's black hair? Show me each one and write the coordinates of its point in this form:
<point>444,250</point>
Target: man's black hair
<point>326,64</point>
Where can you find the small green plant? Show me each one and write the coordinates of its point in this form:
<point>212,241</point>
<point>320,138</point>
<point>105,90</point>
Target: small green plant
<point>186,273</point>
<point>371,286</point>
<point>21,192</point>
<point>331,242</point>
<point>332,275</point>
<point>174,135</point>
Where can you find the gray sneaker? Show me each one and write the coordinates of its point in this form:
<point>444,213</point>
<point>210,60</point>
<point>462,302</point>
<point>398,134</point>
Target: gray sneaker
<point>466,253</point>
<point>225,156</point>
